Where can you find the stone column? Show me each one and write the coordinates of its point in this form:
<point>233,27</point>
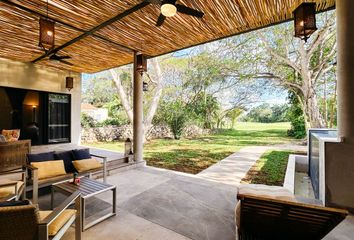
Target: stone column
<point>138,128</point>
<point>345,69</point>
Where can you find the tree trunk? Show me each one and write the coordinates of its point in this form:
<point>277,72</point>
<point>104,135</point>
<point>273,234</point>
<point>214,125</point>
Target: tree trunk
<point>313,113</point>
<point>153,104</point>
<point>122,95</point>
<point>156,98</point>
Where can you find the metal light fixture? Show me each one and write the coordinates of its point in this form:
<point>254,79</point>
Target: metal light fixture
<point>46,33</point>
<point>128,147</point>
<point>69,83</point>
<point>305,20</point>
<point>141,63</point>
<point>145,87</point>
<point>168,9</point>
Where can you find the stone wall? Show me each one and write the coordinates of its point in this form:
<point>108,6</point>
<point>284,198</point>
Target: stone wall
<point>111,133</point>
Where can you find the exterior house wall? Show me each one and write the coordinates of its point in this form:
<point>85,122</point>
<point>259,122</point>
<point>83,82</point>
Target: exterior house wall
<point>99,114</point>
<point>32,76</point>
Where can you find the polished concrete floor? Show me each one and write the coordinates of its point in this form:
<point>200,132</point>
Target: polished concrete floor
<point>161,204</point>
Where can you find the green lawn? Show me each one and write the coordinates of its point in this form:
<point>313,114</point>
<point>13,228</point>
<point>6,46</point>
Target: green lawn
<point>269,169</point>
<point>195,155</point>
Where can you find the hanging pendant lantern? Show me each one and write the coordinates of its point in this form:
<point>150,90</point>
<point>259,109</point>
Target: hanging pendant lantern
<point>145,87</point>
<point>46,33</point>
<point>305,20</point>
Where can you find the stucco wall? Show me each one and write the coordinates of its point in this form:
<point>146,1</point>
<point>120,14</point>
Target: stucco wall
<point>339,175</point>
<point>32,76</point>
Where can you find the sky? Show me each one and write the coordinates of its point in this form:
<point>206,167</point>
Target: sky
<point>272,95</point>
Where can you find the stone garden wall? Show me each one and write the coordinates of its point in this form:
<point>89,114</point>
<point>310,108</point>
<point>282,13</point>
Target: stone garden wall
<point>111,133</point>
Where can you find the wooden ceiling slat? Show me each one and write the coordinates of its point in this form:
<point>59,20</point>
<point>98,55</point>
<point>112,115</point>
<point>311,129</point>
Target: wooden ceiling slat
<point>19,29</point>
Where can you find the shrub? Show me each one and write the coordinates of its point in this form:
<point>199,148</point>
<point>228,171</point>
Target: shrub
<point>87,121</point>
<point>175,115</point>
<point>266,113</point>
<point>296,117</point>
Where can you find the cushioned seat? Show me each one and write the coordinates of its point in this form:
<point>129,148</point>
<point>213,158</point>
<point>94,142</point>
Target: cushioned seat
<point>87,165</point>
<point>59,222</point>
<point>10,190</point>
<point>260,190</point>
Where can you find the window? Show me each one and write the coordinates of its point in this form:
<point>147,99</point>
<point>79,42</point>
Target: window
<point>58,118</point>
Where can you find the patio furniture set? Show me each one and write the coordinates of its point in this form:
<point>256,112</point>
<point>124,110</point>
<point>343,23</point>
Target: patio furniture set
<point>21,172</point>
<point>258,210</point>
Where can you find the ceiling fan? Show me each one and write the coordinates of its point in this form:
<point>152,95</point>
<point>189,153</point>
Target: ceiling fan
<point>169,8</point>
<point>56,57</point>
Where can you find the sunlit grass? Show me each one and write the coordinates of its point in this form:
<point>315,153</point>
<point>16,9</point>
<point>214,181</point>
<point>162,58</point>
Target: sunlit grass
<point>195,155</point>
<point>269,169</point>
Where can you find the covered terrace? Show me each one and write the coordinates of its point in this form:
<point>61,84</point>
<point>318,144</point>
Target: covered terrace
<point>100,35</point>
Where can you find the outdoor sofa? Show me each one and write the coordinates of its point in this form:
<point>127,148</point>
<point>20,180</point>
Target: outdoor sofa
<point>52,167</point>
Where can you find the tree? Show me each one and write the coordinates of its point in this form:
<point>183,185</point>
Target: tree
<point>233,114</point>
<point>98,91</point>
<point>267,113</point>
<point>296,117</point>
<point>300,66</point>
<point>176,115</point>
<point>125,92</point>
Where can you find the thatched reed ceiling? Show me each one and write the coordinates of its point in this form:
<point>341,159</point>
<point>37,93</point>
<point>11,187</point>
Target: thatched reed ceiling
<point>103,49</point>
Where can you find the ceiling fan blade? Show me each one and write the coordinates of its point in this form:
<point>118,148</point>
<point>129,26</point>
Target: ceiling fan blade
<point>56,57</point>
<point>189,11</point>
<point>160,20</point>
<point>154,1</point>
<point>64,57</point>
<point>66,62</point>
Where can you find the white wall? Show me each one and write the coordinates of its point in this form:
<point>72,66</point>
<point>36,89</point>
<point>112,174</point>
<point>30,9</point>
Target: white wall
<point>33,76</point>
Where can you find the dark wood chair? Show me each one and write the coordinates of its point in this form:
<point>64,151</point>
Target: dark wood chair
<point>266,218</point>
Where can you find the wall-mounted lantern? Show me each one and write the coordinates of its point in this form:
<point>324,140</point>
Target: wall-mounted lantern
<point>305,20</point>
<point>69,83</point>
<point>141,63</point>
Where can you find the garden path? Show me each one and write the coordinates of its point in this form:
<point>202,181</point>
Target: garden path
<point>233,168</point>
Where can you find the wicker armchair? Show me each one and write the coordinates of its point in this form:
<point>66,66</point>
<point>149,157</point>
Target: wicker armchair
<point>13,189</point>
<point>26,222</point>
<point>13,169</point>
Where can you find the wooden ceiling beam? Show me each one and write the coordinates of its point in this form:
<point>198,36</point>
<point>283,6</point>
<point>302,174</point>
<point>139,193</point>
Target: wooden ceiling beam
<point>122,47</point>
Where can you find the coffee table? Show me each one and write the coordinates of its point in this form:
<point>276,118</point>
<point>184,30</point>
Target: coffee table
<point>88,188</point>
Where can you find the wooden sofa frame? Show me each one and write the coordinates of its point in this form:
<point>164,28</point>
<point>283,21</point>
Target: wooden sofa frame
<point>266,218</point>
<point>36,184</point>
<point>13,157</point>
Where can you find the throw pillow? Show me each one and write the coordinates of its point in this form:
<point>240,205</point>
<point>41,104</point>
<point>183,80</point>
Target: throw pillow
<point>86,164</point>
<point>11,135</point>
<point>49,169</point>
<point>40,157</point>
<point>80,154</point>
<point>67,157</point>
<point>15,203</point>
